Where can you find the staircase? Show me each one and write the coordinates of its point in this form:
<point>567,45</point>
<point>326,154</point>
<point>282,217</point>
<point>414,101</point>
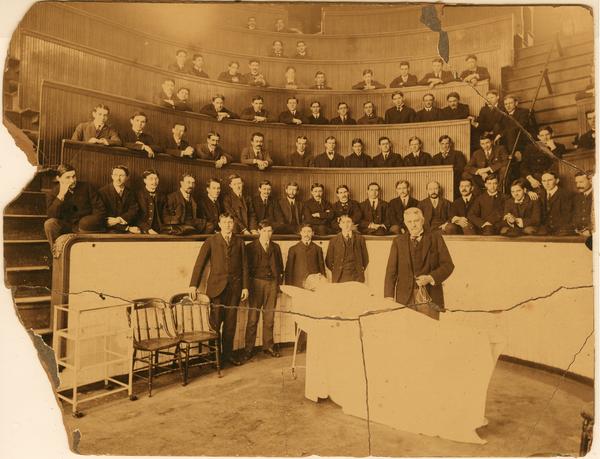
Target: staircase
<point>569,74</point>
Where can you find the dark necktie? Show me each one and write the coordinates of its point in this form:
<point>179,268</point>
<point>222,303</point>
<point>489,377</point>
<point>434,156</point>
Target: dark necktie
<point>414,240</point>
<point>294,215</point>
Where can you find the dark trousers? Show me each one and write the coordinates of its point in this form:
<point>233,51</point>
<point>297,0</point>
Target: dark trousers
<point>322,230</point>
<point>453,228</point>
<point>349,274</point>
<point>185,229</point>
<point>263,295</point>
<point>226,316</point>
<point>286,228</point>
<point>375,232</point>
<point>54,227</point>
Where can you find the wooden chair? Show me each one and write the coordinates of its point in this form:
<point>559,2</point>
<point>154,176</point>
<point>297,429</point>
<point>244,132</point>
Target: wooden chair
<point>154,335</point>
<point>193,327</point>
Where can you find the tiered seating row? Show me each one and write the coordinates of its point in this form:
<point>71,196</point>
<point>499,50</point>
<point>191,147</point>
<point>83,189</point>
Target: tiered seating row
<point>64,106</point>
<point>48,58</point>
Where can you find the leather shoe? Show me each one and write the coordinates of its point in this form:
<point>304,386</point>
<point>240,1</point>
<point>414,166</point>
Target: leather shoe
<point>272,352</point>
<point>234,361</point>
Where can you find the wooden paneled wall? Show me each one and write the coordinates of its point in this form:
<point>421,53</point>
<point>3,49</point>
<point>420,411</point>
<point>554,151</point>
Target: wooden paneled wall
<point>64,106</point>
<point>46,58</point>
<point>70,24</point>
<point>94,165</point>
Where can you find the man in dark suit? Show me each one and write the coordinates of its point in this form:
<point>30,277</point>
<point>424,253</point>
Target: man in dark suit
<point>256,155</point>
<point>317,211</point>
<point>211,205</point>
<point>399,113</point>
<point>347,257</point>
<point>300,158</point>
<point>455,110</point>
<point>458,215</point>
<point>345,206</point>
<point>521,214</point>
<point>165,98</point>
<point>535,161</point>
<point>435,208</point>
<point>265,206</point>
<point>343,118</point>
<point>428,112</point>
<point>292,115</point>
<point>357,158</point>
<point>182,100</point>
<point>138,140</point>
<point>212,151</point>
<point>304,258</point>
<point>587,140</point>
<point>175,145</point>
<point>474,73</point>
<point>301,52</point>
<point>374,212</point>
<point>557,207</point>
<point>315,116</point>
<point>368,82</point>
<point>256,112</point>
<point>386,157</point>
<point>330,158</point>
<point>490,116</point>
<point>72,206</point>
<point>291,209</point>
<point>151,203</point>
<point>120,203</point>
<point>198,66</point>
<point>405,79</point>
<point>437,75</point>
<point>181,215</point>
<point>487,211</point>
<point>265,268</point>
<point>227,283</point>
<point>216,109</point>
<point>369,116</point>
<point>277,49</point>
<point>448,156</point>
<point>254,77</point>
<point>489,159</point>
<point>232,74</point>
<point>97,131</point>
<point>320,82</point>
<point>181,64</point>
<point>583,204</point>
<point>417,157</point>
<point>397,206</point>
<point>418,259</point>
<point>239,206</point>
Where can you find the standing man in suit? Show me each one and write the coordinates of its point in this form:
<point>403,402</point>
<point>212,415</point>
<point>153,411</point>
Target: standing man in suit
<point>357,158</point>
<point>418,259</point>
<point>474,73</point>
<point>315,116</point>
<point>265,206</point>
<point>97,131</point>
<point>397,206</point>
<point>72,206</point>
<point>175,145</point>
<point>165,98</point>
<point>292,115</point>
<point>583,204</point>
<point>256,155</point>
<point>345,206</point>
<point>300,158</point>
<point>488,209</point>
<point>436,210</point>
<point>120,203</point>
<point>256,112</point>
<point>217,110</point>
<point>405,79</point>
<point>489,159</point>
<point>330,158</point>
<point>437,75</point>
<point>448,156</point>
<point>227,283</point>
<point>212,151</point>
<point>138,140</point>
<point>347,257</point>
<point>557,207</point>
<point>181,64</point>
<point>399,113</point>
<point>369,116</point>
<point>291,210</point>
<point>521,214</point>
<point>151,203</point>
<point>386,157</point>
<point>368,82</point>
<point>181,215</point>
<point>254,77</point>
<point>265,268</point>
<point>198,66</point>
<point>239,206</point>
<point>210,205</point>
<point>428,112</point>
<point>416,157</point>
<point>318,212</point>
<point>374,212</point>
<point>459,222</point>
<point>304,258</point>
<point>343,118</point>
<point>455,110</point>
<point>320,82</point>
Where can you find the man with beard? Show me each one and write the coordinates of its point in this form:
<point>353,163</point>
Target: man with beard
<point>181,215</point>
<point>583,204</point>
<point>436,210</point>
<point>291,210</point>
<point>455,110</point>
<point>345,206</point>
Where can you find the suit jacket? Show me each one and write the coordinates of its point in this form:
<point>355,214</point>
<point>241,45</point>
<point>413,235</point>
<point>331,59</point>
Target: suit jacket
<point>530,211</point>
<point>398,82</point>
<point>211,210</point>
<point>227,264</point>
<point>370,215</point>
<point>361,85</point>
<point>322,160</point>
<point>209,110</point>
<point>302,261</point>
<point>487,209</point>
<point>252,80</point>
<point>173,67</point>
<point>490,120</point>
<point>204,153</point>
<point>297,160</point>
<point>498,159</point>
<point>276,260</point>
<point>314,86</point>
<point>182,105</point>
<point>248,156</point>
<point>510,130</point>
<point>286,210</point>
<point>337,121</point>
<point>162,99</point>
<point>352,209</point>
<point>171,148</point>
<point>286,117</point>
<point>225,76</point>
<point>455,158</point>
<point>583,208</point>
<point>557,211</point>
<point>150,210</point>
<point>460,113</point>
<point>242,211</point>
<point>198,73</point>
<point>395,116</point>
<point>174,212</point>
<point>400,275</point>
<point>310,119</point>
<point>395,211</point>
<point>586,141</point>
<point>353,160</point>
<point>370,120</point>
<point>392,160</point>
<point>125,207</point>
<point>446,77</point>
<point>82,201</point>
<point>85,131</point>
<point>535,162</point>
<point>334,259</point>
<point>459,208</point>
<point>270,212</point>
<point>482,71</point>
<point>425,116</point>
<point>427,208</point>
<point>130,138</point>
<point>324,209</point>
<point>248,114</point>
<point>424,159</point>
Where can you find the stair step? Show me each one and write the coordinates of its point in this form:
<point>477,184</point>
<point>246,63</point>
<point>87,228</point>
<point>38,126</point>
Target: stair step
<point>573,86</point>
<point>33,299</point>
<point>35,316</point>
<point>556,114</point>
<point>33,135</point>
<point>566,44</point>
<point>23,291</point>
<point>28,202</point>
<point>35,185</point>
<point>27,268</point>
<point>556,77</point>
<point>18,279</point>
<point>551,102</point>
<point>540,59</point>
<point>24,228</point>
<point>521,69</point>
<point>29,254</point>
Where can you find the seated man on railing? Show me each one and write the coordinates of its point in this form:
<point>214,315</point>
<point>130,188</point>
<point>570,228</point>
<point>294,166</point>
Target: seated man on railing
<point>198,66</point>
<point>522,216</point>
<point>256,155</point>
<point>435,208</point>
<point>583,204</point>
<point>97,131</point>
<point>165,97</point>
<point>292,115</point>
<point>151,202</point>
<point>256,112</point>
<point>138,140</point>
<point>402,201</point>
<point>254,77</point>
<point>181,215</point>
<point>587,141</point>
<point>368,82</point>
<point>329,158</point>
<point>369,116</point>
<point>437,75</point>
<point>300,158</point>
<point>405,79</point>
<point>182,100</point>
<point>120,203</point>
<point>301,52</point>
<point>212,151</point>
<point>400,112</point>
<point>175,145</point>
<point>386,157</point>
<point>343,117</point>
<point>320,81</point>
<point>232,74</point>
<point>216,109</point>
<point>315,116</point>
<point>345,206</point>
<point>181,64</point>
<point>318,212</point>
<point>357,158</point>
<point>374,212</point>
<point>474,73</point>
<point>277,49</point>
<point>428,112</point>
<point>416,156</point>
<point>535,161</point>
<point>72,206</point>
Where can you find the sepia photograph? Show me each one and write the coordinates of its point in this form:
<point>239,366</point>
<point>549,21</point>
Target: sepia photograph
<point>284,229</point>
